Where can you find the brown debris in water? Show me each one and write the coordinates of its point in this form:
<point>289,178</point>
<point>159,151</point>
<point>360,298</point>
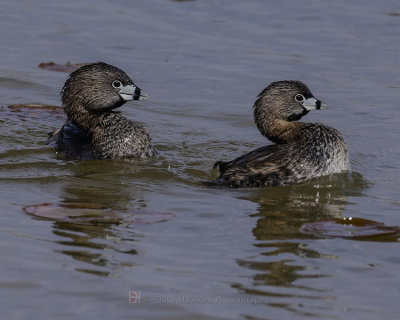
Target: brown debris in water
<point>67,67</point>
<point>84,213</point>
<point>353,228</point>
<point>36,107</point>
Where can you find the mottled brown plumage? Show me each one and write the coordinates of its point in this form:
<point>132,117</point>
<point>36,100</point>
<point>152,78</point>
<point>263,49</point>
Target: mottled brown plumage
<point>93,130</point>
<point>301,151</point>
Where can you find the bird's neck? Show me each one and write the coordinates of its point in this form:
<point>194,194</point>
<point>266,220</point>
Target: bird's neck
<point>87,121</point>
<point>281,131</point>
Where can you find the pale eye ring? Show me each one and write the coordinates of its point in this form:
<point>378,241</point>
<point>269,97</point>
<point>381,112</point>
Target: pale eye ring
<point>299,98</point>
<point>117,84</point>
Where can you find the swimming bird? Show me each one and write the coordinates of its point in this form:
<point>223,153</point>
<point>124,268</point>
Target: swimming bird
<point>93,129</point>
<point>301,150</point>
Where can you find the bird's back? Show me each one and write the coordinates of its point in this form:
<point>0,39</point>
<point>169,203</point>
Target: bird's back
<point>114,137</point>
<point>321,151</point>
<point>71,142</point>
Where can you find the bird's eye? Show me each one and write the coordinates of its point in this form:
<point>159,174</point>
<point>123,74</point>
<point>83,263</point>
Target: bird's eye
<point>299,98</point>
<point>116,84</point>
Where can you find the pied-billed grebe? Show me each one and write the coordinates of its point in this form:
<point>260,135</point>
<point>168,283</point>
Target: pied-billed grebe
<point>93,130</point>
<point>301,151</point>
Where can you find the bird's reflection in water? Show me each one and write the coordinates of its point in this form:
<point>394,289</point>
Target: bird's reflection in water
<point>282,211</point>
<point>99,246</point>
<point>102,245</point>
<point>282,260</point>
<point>105,182</point>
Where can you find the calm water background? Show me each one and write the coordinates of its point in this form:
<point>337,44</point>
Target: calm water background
<point>227,254</point>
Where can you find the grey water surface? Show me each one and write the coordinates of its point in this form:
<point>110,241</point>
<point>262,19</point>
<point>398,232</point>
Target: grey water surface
<point>226,254</point>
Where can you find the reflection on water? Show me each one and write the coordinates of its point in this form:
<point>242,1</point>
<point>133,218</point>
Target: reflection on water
<point>94,243</point>
<point>94,246</point>
<point>281,212</point>
<point>102,182</point>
